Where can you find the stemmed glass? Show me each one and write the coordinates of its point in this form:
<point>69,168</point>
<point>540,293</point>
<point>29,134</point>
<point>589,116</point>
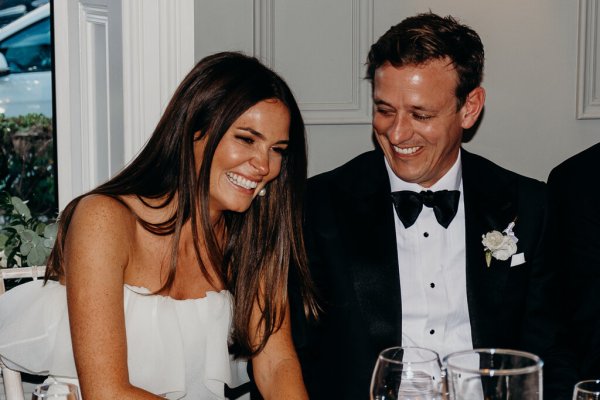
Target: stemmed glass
<point>56,391</point>
<point>587,390</point>
<point>407,373</point>
<point>493,374</point>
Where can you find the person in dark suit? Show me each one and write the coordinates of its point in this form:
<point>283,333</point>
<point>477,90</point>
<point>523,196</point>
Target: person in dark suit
<point>395,237</point>
<point>575,249</point>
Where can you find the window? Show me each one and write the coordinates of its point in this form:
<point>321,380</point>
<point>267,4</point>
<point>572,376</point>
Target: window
<point>27,157</point>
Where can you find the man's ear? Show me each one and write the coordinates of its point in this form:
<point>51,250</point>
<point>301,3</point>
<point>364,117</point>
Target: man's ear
<point>472,108</point>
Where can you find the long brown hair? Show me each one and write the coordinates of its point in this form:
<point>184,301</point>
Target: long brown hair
<point>262,245</point>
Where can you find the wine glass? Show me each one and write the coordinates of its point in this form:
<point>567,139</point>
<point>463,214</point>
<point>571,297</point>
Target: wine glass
<point>493,374</point>
<point>407,373</point>
<point>56,391</point>
<point>587,390</point>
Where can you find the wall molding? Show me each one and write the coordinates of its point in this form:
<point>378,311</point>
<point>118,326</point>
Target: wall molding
<point>158,44</point>
<point>66,97</point>
<point>354,110</point>
<point>588,60</point>
<point>85,84</point>
<point>264,27</point>
<point>116,66</point>
<point>95,93</point>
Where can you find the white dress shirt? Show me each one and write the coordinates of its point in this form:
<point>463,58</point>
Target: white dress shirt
<point>432,266</point>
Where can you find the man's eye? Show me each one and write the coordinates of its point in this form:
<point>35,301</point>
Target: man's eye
<point>421,117</point>
<point>384,111</point>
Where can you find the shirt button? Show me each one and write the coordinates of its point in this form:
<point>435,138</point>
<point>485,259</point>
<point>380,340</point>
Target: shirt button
<point>432,285</point>
<point>431,332</point>
<point>426,234</point>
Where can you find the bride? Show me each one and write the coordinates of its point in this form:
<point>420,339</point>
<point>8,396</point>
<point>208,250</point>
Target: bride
<point>166,278</point>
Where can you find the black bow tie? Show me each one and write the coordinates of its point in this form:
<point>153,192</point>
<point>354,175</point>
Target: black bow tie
<point>409,204</point>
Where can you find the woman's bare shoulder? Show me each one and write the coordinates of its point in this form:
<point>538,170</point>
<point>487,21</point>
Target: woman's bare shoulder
<point>102,218</point>
<point>99,237</point>
<point>99,208</point>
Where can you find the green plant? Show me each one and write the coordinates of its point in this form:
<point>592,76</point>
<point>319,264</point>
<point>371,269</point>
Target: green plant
<point>24,239</point>
<point>27,165</point>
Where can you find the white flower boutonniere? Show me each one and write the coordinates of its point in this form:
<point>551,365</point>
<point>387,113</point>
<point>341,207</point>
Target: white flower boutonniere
<point>499,245</point>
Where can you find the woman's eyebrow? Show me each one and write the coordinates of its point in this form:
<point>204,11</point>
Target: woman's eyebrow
<point>260,135</point>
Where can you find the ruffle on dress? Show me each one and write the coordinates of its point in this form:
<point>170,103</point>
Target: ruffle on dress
<point>175,348</point>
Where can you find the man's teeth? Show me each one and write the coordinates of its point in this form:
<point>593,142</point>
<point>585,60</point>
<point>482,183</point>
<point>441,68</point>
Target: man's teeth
<point>405,150</point>
<point>241,181</point>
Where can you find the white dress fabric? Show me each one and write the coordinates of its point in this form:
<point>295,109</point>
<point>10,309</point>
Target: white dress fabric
<point>175,348</point>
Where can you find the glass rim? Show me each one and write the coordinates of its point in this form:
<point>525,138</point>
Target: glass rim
<point>434,355</point>
<point>38,388</point>
<point>587,391</point>
<point>537,366</point>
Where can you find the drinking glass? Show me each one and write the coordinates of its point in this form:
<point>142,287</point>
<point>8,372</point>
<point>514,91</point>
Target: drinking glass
<point>407,373</point>
<point>587,390</point>
<point>494,374</point>
<point>56,391</point>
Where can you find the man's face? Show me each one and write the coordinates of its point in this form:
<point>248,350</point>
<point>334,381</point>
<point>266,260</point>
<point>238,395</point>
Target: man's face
<point>416,121</point>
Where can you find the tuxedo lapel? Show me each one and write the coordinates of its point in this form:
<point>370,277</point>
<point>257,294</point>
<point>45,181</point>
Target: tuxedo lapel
<point>370,233</point>
<point>490,204</point>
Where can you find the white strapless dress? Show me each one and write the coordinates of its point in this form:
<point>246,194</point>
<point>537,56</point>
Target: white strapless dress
<point>175,348</point>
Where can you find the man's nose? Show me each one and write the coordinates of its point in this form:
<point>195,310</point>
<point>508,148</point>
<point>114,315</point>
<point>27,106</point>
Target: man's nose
<point>401,129</point>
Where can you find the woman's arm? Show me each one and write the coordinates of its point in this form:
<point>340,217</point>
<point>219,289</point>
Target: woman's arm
<point>276,368</point>
<point>97,250</point>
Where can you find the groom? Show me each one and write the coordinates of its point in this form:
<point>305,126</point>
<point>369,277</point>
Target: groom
<point>394,236</point>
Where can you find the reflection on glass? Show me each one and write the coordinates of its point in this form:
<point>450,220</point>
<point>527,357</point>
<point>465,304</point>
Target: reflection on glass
<point>408,373</point>
<point>55,391</point>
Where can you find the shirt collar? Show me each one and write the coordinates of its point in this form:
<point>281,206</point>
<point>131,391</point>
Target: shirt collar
<point>450,181</point>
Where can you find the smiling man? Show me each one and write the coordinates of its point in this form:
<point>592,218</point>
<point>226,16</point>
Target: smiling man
<point>394,237</point>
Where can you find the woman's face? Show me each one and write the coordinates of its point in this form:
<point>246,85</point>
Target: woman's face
<point>248,156</point>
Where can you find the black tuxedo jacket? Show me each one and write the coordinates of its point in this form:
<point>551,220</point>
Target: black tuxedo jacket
<point>574,194</point>
<point>350,239</point>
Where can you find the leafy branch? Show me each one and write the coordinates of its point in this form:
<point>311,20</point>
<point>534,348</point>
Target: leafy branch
<point>27,161</point>
<point>24,239</point>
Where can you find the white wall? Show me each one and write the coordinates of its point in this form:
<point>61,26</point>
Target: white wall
<point>531,66</point>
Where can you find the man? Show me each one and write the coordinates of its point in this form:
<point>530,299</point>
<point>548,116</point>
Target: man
<point>390,274</point>
<point>575,248</point>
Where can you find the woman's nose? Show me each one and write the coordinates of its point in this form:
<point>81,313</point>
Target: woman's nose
<point>260,162</point>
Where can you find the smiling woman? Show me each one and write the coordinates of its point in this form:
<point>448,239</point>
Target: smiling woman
<point>184,221</point>
<point>249,156</point>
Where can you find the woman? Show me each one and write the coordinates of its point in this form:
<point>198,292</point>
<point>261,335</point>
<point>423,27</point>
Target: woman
<point>196,238</point>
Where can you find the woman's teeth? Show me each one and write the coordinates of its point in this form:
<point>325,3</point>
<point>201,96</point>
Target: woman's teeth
<point>241,181</point>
